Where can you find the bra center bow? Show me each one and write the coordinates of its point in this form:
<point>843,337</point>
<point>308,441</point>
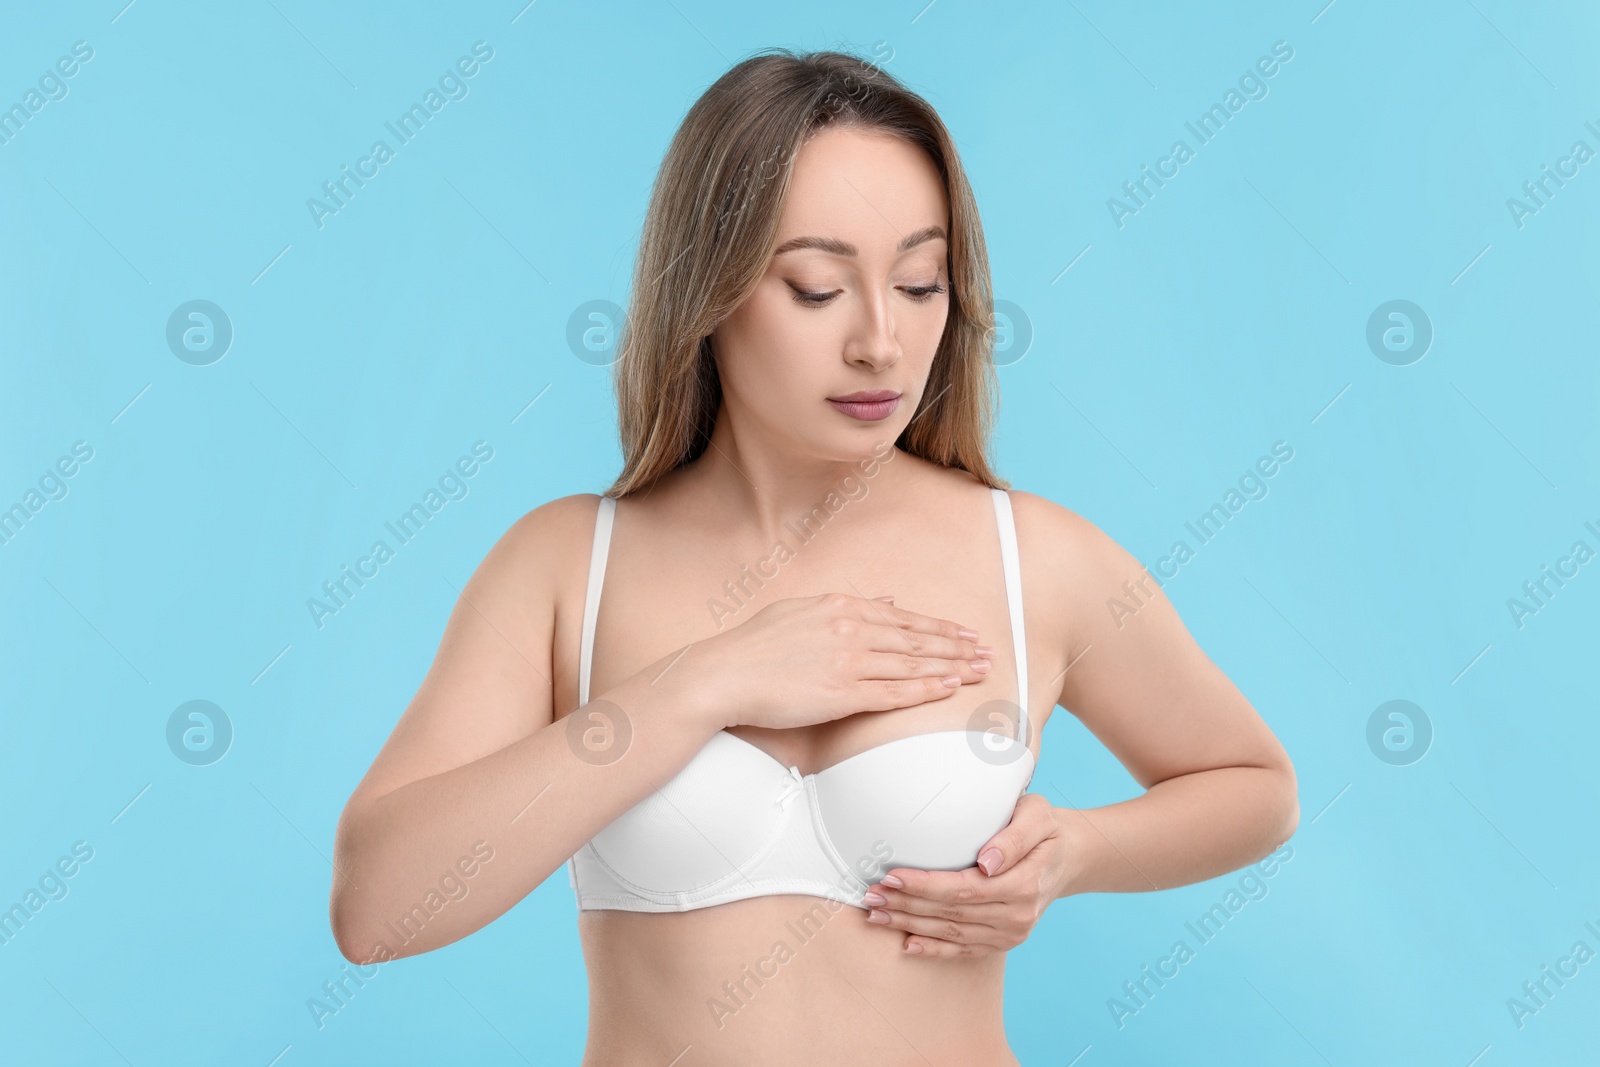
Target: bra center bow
<point>793,785</point>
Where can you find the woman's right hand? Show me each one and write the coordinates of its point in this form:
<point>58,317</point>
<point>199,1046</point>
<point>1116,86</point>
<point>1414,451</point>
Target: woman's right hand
<point>805,660</point>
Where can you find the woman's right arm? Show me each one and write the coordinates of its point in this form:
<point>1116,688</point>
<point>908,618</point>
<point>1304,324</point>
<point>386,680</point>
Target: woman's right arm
<point>478,764</point>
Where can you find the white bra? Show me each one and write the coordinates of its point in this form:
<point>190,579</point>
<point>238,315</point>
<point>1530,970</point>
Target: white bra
<point>737,823</point>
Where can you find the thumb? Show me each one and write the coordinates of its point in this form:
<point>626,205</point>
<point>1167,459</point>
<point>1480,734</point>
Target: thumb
<point>1001,852</point>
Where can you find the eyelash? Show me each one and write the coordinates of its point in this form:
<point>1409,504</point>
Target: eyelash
<point>920,293</point>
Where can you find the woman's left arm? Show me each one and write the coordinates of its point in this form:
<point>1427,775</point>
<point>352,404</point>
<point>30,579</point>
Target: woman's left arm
<point>1219,788</point>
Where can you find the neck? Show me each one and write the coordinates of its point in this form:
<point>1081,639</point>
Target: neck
<point>771,487</point>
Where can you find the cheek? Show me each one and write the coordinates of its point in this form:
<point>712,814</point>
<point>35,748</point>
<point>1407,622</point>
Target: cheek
<point>777,342</point>
<point>921,332</point>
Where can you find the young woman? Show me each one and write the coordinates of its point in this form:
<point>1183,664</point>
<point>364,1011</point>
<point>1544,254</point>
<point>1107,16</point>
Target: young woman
<point>774,699</point>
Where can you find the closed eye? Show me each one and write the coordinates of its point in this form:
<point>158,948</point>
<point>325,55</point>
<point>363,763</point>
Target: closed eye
<point>812,299</point>
<point>919,293</point>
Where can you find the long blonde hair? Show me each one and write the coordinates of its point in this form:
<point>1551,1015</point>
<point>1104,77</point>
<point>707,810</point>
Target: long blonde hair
<point>711,225</point>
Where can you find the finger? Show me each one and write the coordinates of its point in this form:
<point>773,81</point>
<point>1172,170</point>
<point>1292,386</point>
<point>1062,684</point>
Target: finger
<point>969,886</point>
<point>935,644</point>
<point>890,693</point>
<point>1031,823</point>
<point>882,665</point>
<point>934,948</point>
<point>901,630</point>
<point>988,912</point>
<point>888,638</point>
<point>942,929</point>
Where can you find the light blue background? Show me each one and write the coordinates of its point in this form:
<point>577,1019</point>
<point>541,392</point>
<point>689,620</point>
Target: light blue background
<point>1228,314</point>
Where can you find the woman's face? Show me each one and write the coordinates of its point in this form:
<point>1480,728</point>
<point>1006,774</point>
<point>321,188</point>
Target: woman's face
<point>854,300</point>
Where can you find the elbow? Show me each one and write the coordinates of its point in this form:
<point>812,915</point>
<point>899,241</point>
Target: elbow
<point>350,929</point>
<point>347,920</point>
<point>1291,822</point>
<point>347,942</point>
<point>354,915</point>
<point>348,932</point>
<point>1288,803</point>
<point>359,940</point>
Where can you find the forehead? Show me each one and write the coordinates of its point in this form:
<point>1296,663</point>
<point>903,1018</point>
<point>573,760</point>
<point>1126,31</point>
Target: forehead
<point>866,187</point>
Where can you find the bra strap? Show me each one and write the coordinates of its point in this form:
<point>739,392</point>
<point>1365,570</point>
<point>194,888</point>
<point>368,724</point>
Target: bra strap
<point>1010,558</point>
<point>598,552</point>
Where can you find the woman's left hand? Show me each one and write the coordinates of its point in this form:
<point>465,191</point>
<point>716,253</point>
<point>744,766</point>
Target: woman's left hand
<point>988,908</point>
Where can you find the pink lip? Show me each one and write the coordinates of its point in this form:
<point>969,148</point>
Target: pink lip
<point>868,406</point>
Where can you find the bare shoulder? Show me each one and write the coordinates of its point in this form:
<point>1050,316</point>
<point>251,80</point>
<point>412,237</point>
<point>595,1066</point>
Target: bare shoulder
<point>1065,551</point>
<point>1043,514</point>
<point>541,549</point>
<point>562,521</point>
<point>1077,569</point>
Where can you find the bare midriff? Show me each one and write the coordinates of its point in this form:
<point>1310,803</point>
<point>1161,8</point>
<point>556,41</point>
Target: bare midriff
<point>781,980</point>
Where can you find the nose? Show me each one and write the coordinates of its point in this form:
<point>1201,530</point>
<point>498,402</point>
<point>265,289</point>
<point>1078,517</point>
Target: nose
<point>873,343</point>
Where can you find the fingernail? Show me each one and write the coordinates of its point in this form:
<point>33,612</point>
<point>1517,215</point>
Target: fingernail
<point>970,635</point>
<point>986,650</point>
<point>890,597</point>
<point>981,666</point>
<point>990,860</point>
<point>913,948</point>
<point>874,899</point>
<point>892,882</point>
<point>953,681</point>
<point>877,917</point>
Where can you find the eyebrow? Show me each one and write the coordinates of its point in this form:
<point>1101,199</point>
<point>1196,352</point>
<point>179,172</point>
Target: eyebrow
<point>834,246</point>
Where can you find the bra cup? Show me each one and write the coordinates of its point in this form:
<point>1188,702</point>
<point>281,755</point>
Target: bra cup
<point>720,810</point>
<point>928,801</point>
